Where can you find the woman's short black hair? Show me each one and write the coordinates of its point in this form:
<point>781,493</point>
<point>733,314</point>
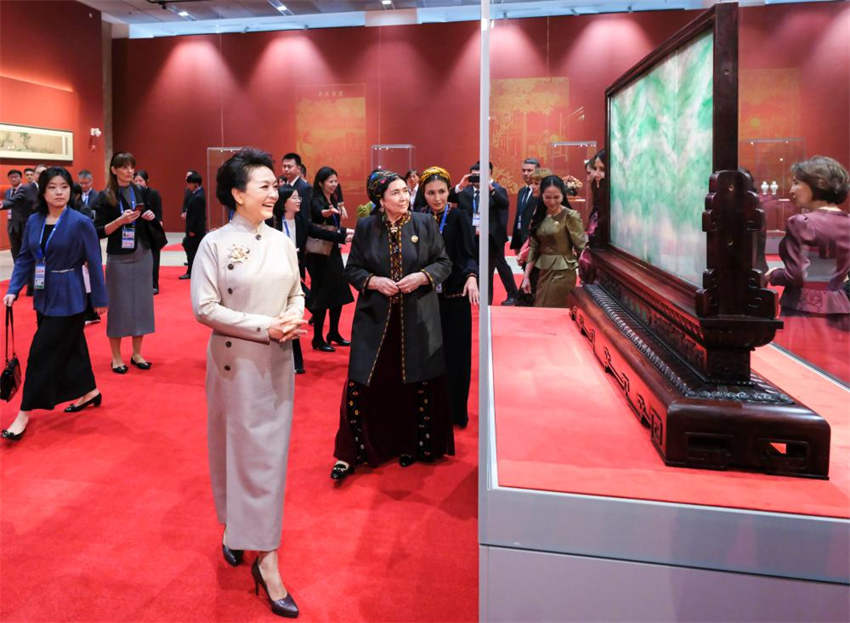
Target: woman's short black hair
<point>825,176</point>
<point>284,193</point>
<point>410,173</point>
<point>44,179</point>
<point>142,174</point>
<point>234,173</point>
<point>321,175</point>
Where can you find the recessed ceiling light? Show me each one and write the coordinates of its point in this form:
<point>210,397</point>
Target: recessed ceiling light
<point>183,13</point>
<point>386,2</point>
<point>282,8</point>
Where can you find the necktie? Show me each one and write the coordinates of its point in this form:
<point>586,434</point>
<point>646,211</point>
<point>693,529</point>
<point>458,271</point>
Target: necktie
<point>475,200</point>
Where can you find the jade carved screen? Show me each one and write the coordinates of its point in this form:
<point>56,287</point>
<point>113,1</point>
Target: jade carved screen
<point>661,139</point>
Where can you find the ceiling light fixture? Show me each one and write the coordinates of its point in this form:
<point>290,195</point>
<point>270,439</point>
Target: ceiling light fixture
<point>183,13</point>
<point>387,2</point>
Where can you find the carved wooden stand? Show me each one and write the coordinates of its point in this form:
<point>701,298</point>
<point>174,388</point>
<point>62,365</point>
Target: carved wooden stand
<point>683,358</point>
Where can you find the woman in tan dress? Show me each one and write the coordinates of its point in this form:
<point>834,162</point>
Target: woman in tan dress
<point>246,287</point>
<point>556,241</point>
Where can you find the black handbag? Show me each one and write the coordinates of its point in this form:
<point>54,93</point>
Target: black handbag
<point>158,237</point>
<point>10,380</point>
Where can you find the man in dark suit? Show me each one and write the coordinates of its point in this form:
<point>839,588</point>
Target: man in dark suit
<point>196,219</point>
<point>468,200</point>
<point>20,200</point>
<point>291,169</point>
<point>524,205</point>
<point>90,195</point>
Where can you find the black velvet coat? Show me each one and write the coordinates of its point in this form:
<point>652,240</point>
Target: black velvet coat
<point>422,337</point>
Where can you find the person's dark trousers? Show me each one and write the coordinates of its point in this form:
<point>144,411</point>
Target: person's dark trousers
<point>497,260</point>
<point>297,356</point>
<point>190,245</point>
<point>156,268</point>
<point>16,234</point>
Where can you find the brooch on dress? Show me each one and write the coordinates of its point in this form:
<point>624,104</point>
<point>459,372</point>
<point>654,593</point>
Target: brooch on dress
<point>238,254</point>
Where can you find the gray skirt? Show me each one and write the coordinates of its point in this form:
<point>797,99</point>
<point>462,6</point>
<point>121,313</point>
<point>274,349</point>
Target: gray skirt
<point>130,288</point>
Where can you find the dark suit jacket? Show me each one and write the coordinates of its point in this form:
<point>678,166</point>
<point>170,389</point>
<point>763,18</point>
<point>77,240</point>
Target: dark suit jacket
<point>106,213</point>
<point>459,239</point>
<point>155,203</point>
<point>196,213</point>
<point>74,243</point>
<point>498,211</point>
<point>93,197</point>
<point>422,250</point>
<point>524,209</point>
<point>22,204</point>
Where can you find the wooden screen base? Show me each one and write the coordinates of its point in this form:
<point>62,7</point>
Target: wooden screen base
<point>693,422</point>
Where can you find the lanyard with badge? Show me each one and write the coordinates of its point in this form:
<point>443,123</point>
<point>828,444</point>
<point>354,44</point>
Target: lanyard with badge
<point>442,226</point>
<point>128,231</point>
<point>39,278</point>
<point>476,216</point>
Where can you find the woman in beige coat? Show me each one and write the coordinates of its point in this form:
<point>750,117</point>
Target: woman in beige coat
<point>246,287</point>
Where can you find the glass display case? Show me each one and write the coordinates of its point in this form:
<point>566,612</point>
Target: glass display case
<point>396,157</point>
<point>567,158</point>
<point>216,213</point>
<point>769,160</point>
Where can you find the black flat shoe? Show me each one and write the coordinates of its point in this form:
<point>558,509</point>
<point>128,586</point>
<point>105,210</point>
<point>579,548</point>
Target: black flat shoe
<point>95,402</point>
<point>186,276</point>
<point>232,557</point>
<point>406,460</point>
<point>122,369</point>
<point>141,365</point>
<point>324,347</point>
<point>338,339</point>
<point>12,436</point>
<point>281,607</point>
<point>300,371</point>
<point>341,470</point>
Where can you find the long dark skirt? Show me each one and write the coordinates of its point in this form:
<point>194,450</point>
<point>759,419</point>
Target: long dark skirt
<point>387,418</point>
<point>58,367</point>
<point>456,318</point>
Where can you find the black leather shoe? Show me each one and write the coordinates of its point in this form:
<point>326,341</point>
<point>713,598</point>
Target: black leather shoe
<point>12,436</point>
<point>300,371</point>
<point>406,460</point>
<point>509,301</point>
<point>338,339</point>
<point>122,369</point>
<point>285,607</point>
<point>324,347</point>
<point>186,276</point>
<point>232,557</point>
<point>142,365</point>
<point>95,402</point>
<point>341,470</point>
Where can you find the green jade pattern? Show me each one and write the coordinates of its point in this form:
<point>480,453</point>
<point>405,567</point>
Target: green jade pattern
<point>661,159</point>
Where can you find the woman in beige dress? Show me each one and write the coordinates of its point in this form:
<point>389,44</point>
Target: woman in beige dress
<point>556,240</point>
<point>246,287</point>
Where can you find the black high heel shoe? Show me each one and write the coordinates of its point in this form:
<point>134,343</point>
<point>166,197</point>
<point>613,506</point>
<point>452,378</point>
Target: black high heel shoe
<point>232,557</point>
<point>285,607</point>
<point>12,436</point>
<point>141,365</point>
<point>341,470</point>
<point>323,346</point>
<point>338,339</point>
<point>95,402</point>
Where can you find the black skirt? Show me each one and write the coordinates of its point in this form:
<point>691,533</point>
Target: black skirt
<point>58,367</point>
<point>387,418</point>
<point>328,286</point>
<point>456,318</point>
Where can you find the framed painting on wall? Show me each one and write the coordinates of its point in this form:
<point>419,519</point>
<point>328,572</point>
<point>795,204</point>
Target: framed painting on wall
<point>31,143</point>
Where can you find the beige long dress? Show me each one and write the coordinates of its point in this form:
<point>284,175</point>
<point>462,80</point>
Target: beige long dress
<point>242,278</point>
<point>554,249</point>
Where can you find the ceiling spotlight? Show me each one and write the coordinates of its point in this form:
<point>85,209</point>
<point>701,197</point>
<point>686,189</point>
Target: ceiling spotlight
<point>282,8</point>
<point>183,13</point>
<point>387,2</point>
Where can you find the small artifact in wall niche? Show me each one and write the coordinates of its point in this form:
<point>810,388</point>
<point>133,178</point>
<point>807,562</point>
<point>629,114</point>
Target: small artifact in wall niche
<point>765,187</point>
<point>774,187</point>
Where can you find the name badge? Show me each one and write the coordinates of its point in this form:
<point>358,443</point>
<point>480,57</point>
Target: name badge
<point>476,220</point>
<point>128,237</point>
<point>40,272</point>
<point>439,288</point>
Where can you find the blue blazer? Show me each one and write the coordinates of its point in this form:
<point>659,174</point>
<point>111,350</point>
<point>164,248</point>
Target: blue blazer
<point>74,243</point>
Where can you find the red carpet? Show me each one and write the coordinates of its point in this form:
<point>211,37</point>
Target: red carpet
<point>563,425</point>
<point>107,515</point>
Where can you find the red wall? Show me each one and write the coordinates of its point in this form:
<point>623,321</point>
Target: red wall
<point>174,97</point>
<point>50,76</point>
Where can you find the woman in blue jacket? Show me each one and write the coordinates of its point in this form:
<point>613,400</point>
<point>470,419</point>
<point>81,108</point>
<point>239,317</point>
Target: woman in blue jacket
<point>57,241</point>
